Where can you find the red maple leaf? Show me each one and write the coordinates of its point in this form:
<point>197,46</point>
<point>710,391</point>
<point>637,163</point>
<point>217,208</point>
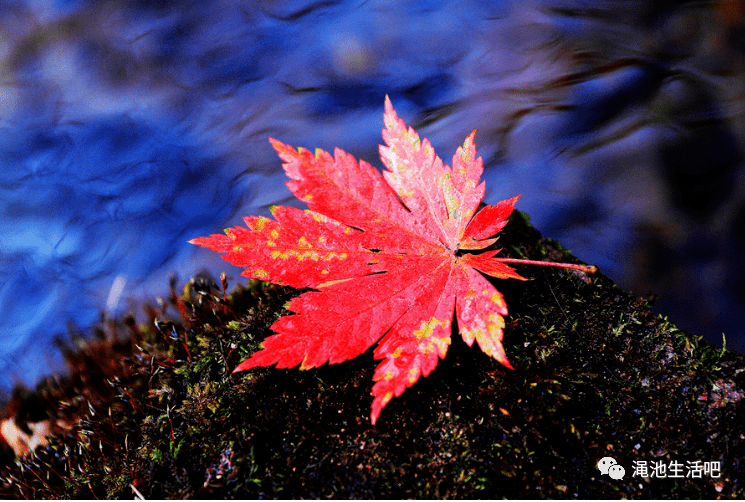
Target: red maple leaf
<point>384,255</point>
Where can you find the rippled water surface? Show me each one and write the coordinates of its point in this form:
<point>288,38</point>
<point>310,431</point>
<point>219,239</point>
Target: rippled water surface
<point>129,127</point>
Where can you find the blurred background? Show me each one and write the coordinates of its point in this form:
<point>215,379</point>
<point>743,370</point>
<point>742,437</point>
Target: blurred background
<point>129,127</point>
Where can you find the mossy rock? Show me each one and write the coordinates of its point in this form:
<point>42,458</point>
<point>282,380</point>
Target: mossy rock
<point>597,375</point>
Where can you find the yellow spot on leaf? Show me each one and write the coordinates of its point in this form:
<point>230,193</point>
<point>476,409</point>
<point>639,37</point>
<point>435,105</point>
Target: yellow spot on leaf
<point>470,334</point>
<point>496,299</point>
<point>432,345</point>
<point>427,328</point>
<point>496,320</point>
<point>396,353</point>
<point>260,223</point>
<point>318,217</point>
<point>413,374</point>
<point>261,273</point>
<point>313,255</point>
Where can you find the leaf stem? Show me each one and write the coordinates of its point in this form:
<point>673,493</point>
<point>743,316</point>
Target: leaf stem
<point>584,268</point>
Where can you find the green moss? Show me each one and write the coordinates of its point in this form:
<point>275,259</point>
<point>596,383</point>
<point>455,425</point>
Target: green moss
<point>598,374</point>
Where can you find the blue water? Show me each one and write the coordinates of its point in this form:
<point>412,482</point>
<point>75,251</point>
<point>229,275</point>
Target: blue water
<point>129,127</point>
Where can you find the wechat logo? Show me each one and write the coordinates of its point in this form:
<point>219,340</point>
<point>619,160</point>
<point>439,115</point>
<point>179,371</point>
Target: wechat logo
<point>609,466</point>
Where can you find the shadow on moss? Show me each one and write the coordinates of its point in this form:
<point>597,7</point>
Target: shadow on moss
<point>597,375</point>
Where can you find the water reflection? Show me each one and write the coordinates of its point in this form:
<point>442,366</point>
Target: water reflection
<point>131,127</point>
